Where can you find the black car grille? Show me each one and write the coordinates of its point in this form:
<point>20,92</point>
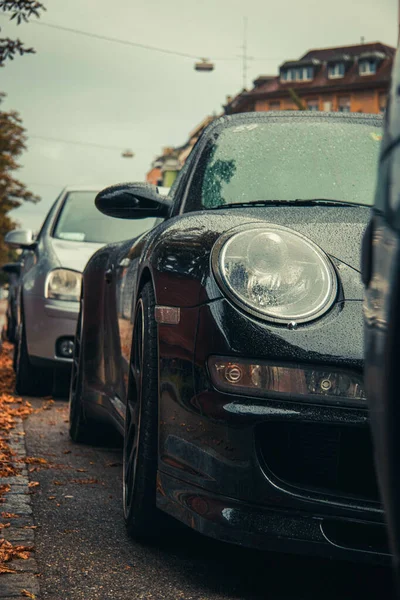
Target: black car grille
<point>328,459</point>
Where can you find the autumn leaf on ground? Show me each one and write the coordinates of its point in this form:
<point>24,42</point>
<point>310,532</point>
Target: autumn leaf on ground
<point>85,481</point>
<point>4,525</point>
<point>34,460</point>
<point>81,470</point>
<point>8,515</point>
<point>32,484</point>
<point>28,594</point>
<point>4,569</point>
<point>58,482</point>
<point>9,552</point>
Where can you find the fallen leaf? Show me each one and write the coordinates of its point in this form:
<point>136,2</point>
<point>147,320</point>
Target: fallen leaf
<point>8,515</point>
<point>67,452</point>
<point>32,484</point>
<point>85,481</point>
<point>28,594</point>
<point>81,470</point>
<point>34,460</point>
<point>4,569</point>
<point>51,498</point>
<point>58,482</point>
<point>4,525</point>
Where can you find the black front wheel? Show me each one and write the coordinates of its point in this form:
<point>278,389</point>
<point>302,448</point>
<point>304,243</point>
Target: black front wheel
<point>143,520</point>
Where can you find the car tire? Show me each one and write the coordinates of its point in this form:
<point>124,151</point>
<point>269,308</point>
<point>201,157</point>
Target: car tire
<point>142,517</point>
<point>82,429</point>
<point>29,379</point>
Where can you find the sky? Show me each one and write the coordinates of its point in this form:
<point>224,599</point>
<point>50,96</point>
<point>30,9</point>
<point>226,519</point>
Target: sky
<point>97,92</point>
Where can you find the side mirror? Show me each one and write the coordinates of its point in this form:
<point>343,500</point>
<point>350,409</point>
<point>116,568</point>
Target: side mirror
<point>132,201</point>
<point>20,238</point>
<point>14,268</point>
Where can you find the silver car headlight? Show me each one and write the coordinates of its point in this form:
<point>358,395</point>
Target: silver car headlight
<point>63,284</point>
<point>275,273</point>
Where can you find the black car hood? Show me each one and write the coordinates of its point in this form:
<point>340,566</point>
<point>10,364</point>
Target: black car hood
<point>336,230</point>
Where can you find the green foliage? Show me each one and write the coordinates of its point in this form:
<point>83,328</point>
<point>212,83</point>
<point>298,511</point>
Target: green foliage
<point>217,172</point>
<point>20,11</point>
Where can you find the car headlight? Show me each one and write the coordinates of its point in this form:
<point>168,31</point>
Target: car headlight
<point>275,273</point>
<point>64,284</point>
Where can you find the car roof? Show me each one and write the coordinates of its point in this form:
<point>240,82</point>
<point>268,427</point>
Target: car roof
<point>84,188</point>
<point>374,120</point>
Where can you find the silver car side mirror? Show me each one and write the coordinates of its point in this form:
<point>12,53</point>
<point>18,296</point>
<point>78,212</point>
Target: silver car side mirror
<point>20,238</point>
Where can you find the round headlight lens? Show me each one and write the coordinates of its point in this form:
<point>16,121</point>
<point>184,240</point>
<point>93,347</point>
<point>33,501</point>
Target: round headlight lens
<point>276,273</point>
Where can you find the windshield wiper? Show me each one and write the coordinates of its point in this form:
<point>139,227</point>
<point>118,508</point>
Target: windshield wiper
<point>298,202</point>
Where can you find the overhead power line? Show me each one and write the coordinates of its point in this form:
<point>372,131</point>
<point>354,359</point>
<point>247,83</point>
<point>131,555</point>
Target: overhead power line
<point>75,142</point>
<point>115,40</point>
<point>107,38</point>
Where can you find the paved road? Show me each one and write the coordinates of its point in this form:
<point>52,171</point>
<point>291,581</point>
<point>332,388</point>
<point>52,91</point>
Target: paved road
<point>83,551</point>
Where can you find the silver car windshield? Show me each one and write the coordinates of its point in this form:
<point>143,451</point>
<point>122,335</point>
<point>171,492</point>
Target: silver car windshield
<point>80,221</point>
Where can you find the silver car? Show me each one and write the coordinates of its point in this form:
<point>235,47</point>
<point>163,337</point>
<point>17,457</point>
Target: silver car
<point>50,285</point>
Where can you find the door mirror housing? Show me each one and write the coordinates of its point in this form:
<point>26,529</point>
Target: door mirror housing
<point>20,238</point>
<point>14,268</point>
<point>133,201</point>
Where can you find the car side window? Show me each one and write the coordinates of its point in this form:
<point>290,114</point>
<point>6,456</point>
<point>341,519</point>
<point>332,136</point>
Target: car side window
<point>48,218</point>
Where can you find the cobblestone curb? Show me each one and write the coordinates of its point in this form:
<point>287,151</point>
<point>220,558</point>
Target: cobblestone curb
<point>18,502</point>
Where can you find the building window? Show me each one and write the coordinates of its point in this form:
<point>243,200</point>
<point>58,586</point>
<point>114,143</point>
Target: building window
<point>336,71</point>
<point>382,103</point>
<point>327,105</point>
<point>312,105</point>
<point>367,67</point>
<point>274,106</point>
<point>344,104</point>
<point>298,74</point>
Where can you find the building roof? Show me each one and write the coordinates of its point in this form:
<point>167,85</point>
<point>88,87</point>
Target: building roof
<point>325,54</point>
<point>270,87</point>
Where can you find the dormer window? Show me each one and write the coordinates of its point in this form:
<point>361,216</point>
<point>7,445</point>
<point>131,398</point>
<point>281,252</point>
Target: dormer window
<point>336,70</point>
<point>367,66</point>
<point>298,74</point>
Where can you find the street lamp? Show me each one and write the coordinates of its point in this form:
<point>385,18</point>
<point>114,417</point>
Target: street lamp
<point>128,154</point>
<point>204,65</point>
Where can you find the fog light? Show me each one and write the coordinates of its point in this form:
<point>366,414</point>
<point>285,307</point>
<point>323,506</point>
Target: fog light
<point>297,382</point>
<point>233,374</point>
<point>65,347</point>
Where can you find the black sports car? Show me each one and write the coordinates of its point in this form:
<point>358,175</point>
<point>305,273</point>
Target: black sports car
<point>226,343</point>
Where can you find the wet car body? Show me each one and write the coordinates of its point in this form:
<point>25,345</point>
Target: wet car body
<point>273,471</point>
<point>380,271</point>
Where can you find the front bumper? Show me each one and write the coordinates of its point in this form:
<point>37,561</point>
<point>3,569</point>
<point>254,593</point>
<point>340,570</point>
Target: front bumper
<point>46,321</point>
<point>309,465</point>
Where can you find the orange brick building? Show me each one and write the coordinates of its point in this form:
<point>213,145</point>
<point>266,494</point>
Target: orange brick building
<point>346,79</point>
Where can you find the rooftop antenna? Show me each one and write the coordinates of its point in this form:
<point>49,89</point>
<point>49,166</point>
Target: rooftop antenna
<point>398,19</point>
<point>244,55</point>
